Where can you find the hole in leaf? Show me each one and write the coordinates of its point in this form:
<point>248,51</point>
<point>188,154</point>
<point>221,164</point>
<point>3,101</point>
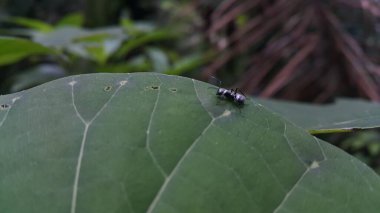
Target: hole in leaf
<point>173,89</point>
<point>4,106</point>
<point>107,88</point>
<point>155,87</point>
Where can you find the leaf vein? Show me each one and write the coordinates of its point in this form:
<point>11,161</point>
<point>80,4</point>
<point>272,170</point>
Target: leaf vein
<point>319,144</point>
<point>233,171</point>
<point>147,142</point>
<point>83,142</point>
<point>196,93</point>
<point>291,191</point>
<point>173,172</point>
<point>291,147</point>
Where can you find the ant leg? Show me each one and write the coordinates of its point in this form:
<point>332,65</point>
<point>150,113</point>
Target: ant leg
<point>244,96</point>
<point>220,101</point>
<point>242,93</point>
<point>232,91</point>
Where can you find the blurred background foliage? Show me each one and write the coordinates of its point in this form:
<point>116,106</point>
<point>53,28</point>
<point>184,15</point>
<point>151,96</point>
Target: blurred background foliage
<point>311,51</point>
<point>45,40</point>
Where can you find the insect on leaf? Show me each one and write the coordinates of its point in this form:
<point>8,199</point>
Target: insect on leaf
<point>148,142</point>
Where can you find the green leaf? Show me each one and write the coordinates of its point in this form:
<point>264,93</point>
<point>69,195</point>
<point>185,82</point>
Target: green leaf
<point>73,19</point>
<point>137,64</point>
<point>159,59</point>
<point>136,28</point>
<point>139,41</point>
<point>35,76</point>
<point>94,37</point>
<point>97,53</point>
<point>15,49</point>
<point>368,141</point>
<point>190,63</point>
<point>59,38</point>
<point>96,45</point>
<point>33,24</point>
<point>158,143</point>
<point>345,115</point>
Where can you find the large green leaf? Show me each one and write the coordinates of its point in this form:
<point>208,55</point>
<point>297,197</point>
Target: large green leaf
<point>15,49</point>
<point>345,115</point>
<point>157,143</point>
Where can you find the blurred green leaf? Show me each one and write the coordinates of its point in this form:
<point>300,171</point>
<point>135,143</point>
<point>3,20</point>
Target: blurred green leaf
<point>36,76</point>
<point>159,59</point>
<point>97,53</point>
<point>374,148</point>
<point>95,45</point>
<point>65,36</point>
<point>135,28</point>
<point>134,43</point>
<point>32,23</point>
<point>189,63</point>
<point>93,37</point>
<point>16,49</point>
<point>60,37</point>
<point>369,140</point>
<point>138,64</point>
<point>73,19</point>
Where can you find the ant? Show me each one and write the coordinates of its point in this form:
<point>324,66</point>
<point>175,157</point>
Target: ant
<point>231,94</point>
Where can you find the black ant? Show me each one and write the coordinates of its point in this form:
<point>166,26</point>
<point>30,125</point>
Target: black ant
<point>231,94</point>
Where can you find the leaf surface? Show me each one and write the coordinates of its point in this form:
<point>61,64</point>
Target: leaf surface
<point>343,116</point>
<point>158,143</point>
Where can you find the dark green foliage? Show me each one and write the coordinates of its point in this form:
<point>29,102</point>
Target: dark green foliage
<point>129,47</point>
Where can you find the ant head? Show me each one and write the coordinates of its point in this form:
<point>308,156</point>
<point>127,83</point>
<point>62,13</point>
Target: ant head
<point>220,91</point>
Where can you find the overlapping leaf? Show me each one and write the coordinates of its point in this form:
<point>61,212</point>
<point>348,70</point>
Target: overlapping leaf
<point>343,116</point>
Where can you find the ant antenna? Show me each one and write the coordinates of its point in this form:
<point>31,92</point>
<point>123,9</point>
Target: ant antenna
<point>219,81</point>
<point>241,92</point>
<point>238,90</point>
